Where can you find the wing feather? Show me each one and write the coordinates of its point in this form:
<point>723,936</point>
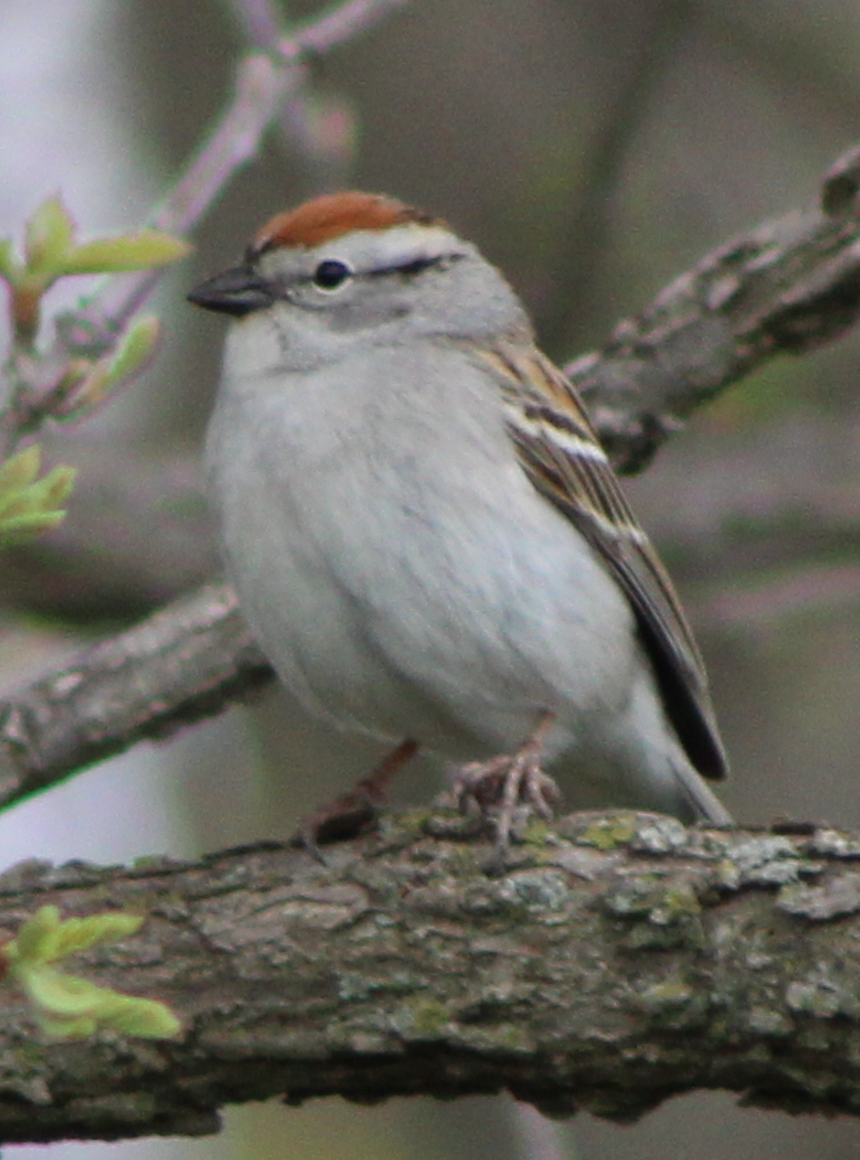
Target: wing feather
<point>563,458</point>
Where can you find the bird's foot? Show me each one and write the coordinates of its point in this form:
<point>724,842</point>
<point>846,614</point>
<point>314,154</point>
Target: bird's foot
<point>354,812</point>
<point>500,787</point>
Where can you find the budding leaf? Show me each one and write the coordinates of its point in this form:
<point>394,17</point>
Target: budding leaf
<point>29,505</point>
<point>68,1006</point>
<point>49,236</point>
<point>135,348</point>
<point>141,251</point>
<point>10,268</point>
<point>20,470</point>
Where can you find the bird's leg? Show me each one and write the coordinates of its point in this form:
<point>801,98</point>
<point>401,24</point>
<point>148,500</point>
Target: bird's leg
<point>501,784</point>
<point>351,813</point>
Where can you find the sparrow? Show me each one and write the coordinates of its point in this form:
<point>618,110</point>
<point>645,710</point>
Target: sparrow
<point>424,532</point>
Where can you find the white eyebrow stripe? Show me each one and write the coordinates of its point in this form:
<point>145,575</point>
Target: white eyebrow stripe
<point>568,441</point>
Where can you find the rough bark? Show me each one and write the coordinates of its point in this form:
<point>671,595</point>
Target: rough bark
<point>622,959</point>
<point>177,667</point>
<point>787,287</point>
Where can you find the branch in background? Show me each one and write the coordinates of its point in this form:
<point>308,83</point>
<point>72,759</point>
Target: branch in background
<point>141,533</point>
<point>789,286</point>
<point>582,242</point>
<point>318,130</point>
<point>762,603</point>
<point>263,83</point>
<point>620,961</point>
<point>180,666</point>
<point>768,545</point>
<point>141,536</point>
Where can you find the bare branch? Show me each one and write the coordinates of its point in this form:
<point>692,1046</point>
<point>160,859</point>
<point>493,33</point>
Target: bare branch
<point>787,287</point>
<point>620,961</point>
<point>327,155</point>
<point>341,24</point>
<point>259,20</point>
<point>179,666</point>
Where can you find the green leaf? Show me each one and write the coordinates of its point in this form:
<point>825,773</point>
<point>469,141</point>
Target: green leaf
<point>128,252</point>
<point>49,235</point>
<point>67,1005</point>
<point>28,505</point>
<point>58,994</point>
<point>90,382</point>
<point>78,934</point>
<point>19,471</point>
<point>45,938</point>
<point>36,939</point>
<point>22,529</point>
<point>10,267</point>
<point>143,1018</point>
<point>46,494</point>
<point>135,349</point>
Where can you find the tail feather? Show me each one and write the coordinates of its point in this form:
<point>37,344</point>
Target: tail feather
<point>703,803</point>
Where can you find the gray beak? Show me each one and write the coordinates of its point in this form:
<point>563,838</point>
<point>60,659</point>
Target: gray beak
<point>238,291</point>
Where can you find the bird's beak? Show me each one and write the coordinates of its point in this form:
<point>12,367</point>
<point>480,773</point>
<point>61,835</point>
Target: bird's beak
<point>238,291</point>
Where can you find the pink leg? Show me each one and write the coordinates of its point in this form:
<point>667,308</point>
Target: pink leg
<point>355,811</point>
<point>503,783</point>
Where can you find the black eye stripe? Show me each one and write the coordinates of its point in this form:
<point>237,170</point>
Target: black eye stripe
<point>331,273</point>
<point>409,269</point>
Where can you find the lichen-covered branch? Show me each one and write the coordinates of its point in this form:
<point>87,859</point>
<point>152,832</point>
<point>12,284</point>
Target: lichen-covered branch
<point>621,960</point>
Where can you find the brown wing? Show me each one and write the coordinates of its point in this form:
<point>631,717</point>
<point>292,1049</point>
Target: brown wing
<point>563,458</point>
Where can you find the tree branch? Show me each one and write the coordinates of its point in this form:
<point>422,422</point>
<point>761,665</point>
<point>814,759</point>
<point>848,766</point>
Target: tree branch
<point>787,287</point>
<point>622,959</point>
<point>179,666</point>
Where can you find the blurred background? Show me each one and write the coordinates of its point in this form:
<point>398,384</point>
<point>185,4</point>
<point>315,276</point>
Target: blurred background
<point>594,149</point>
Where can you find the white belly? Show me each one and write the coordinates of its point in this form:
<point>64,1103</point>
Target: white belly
<point>415,585</point>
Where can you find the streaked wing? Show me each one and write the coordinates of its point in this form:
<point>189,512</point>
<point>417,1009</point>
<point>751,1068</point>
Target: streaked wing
<point>564,460</point>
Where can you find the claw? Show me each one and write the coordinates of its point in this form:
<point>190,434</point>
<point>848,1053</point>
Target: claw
<point>499,786</point>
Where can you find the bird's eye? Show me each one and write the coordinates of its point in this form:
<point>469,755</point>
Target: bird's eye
<point>330,274</point>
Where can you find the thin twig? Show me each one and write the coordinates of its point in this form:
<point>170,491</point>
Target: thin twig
<point>342,23</point>
<point>326,156</point>
<point>263,82</point>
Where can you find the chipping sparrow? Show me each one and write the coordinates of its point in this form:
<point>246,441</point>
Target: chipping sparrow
<point>425,535</point>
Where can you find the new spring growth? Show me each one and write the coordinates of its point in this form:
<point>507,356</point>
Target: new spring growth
<point>68,1006</point>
